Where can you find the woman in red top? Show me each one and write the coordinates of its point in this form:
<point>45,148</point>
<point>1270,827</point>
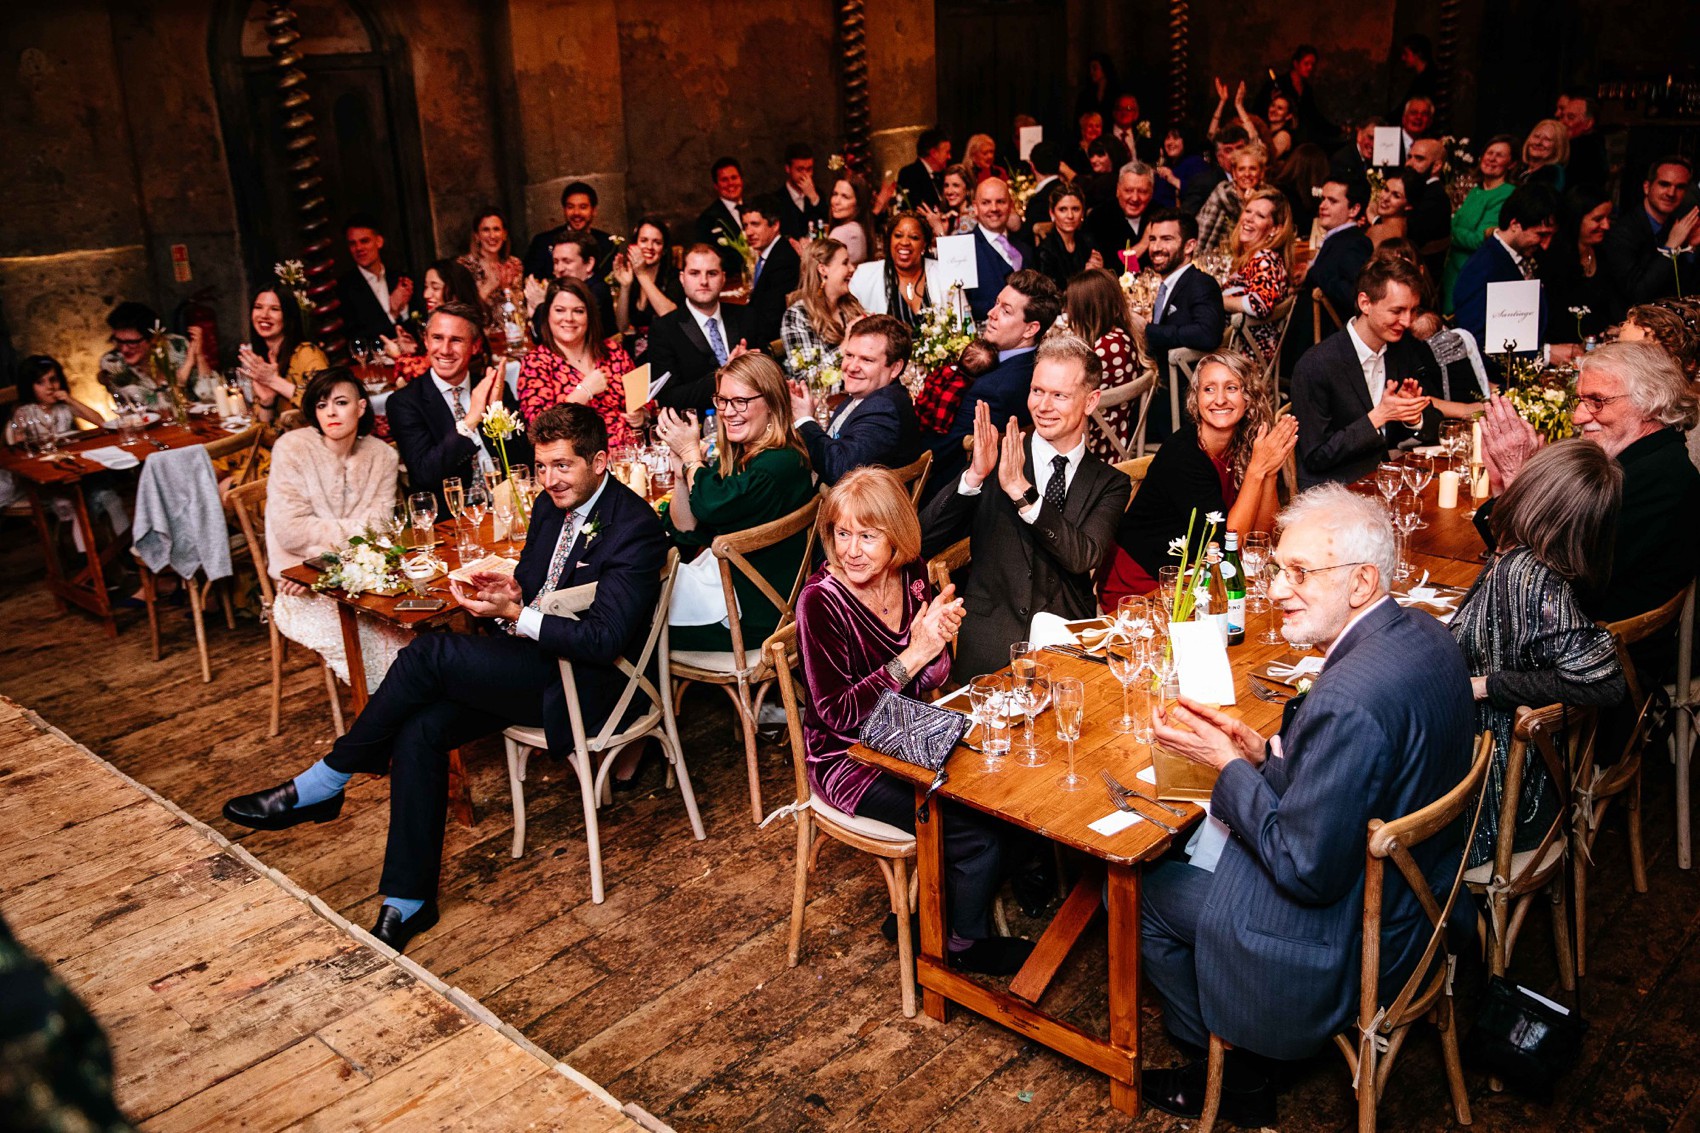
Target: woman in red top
<point>1097,312</point>
<point>572,362</point>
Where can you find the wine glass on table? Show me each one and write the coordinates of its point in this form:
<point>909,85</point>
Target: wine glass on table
<point>422,509</point>
<point>1407,517</point>
<point>1133,615</point>
<point>1125,653</point>
<point>1389,479</point>
<point>1254,556</point>
<point>1272,634</point>
<point>1033,696</point>
<point>989,701</point>
<point>477,503</point>
<point>1068,707</point>
<point>454,498</point>
<point>1419,470</point>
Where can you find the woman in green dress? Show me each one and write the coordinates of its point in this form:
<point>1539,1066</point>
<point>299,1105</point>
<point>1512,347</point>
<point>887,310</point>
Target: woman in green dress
<point>759,474</point>
<point>1478,214</point>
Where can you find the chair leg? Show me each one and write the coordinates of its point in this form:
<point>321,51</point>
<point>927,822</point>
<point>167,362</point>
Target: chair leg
<point>1561,934</point>
<point>518,755</point>
<point>747,717</point>
<point>1213,1085</point>
<point>1368,1070</point>
<point>1448,1020</point>
<point>677,770</point>
<point>592,836</point>
<point>150,598</point>
<point>197,611</point>
<point>336,699</point>
<point>224,600</point>
<point>1637,855</point>
<point>1579,864</point>
<point>277,679</point>
<point>899,882</point>
<point>800,885</point>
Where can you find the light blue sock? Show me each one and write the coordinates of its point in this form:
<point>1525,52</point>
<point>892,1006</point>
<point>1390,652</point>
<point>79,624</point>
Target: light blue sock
<point>407,905</point>
<point>318,783</point>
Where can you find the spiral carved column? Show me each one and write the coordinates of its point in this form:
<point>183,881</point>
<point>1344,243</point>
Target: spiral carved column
<point>1180,33</point>
<point>852,35</point>
<point>1445,61</point>
<point>307,184</point>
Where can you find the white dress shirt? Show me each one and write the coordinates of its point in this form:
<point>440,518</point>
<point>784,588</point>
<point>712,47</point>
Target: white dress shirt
<point>1374,363</point>
<point>735,208</point>
<point>714,317</point>
<point>379,285</point>
<point>1043,452</point>
<point>1167,288</point>
<point>449,392</point>
<point>530,621</point>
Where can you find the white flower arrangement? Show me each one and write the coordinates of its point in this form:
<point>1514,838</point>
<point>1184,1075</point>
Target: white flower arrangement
<point>500,425</point>
<point>945,330</point>
<point>365,564</point>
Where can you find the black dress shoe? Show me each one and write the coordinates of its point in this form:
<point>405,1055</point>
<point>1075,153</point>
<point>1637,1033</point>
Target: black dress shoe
<point>396,932</point>
<point>994,956</point>
<point>1035,886</point>
<point>275,809</point>
<point>1248,1101</point>
<point>888,929</point>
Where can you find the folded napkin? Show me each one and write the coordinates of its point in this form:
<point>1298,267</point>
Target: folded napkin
<point>1306,667</point>
<point>1048,629</point>
<point>111,456</point>
<point>1119,820</point>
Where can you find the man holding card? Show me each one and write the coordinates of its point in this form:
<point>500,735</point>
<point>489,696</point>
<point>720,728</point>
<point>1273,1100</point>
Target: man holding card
<point>1253,933</point>
<point>447,689</point>
<point>1527,222</point>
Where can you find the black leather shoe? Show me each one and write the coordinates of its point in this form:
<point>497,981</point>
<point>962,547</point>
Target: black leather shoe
<point>1035,887</point>
<point>888,929</point>
<point>994,956</point>
<point>1180,1090</point>
<point>276,810</point>
<point>395,932</point>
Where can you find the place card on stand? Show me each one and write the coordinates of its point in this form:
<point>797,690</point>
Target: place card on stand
<point>1389,146</point>
<point>957,261</point>
<point>1513,317</point>
<point>1030,136</point>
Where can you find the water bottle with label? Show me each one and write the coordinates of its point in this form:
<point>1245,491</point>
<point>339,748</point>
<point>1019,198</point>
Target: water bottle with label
<point>710,438</point>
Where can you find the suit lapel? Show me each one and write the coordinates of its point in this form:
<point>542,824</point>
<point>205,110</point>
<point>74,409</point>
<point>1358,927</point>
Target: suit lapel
<point>1351,367</point>
<point>693,332</point>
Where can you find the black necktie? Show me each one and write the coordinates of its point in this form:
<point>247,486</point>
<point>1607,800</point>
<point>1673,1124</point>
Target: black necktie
<point>1056,489</point>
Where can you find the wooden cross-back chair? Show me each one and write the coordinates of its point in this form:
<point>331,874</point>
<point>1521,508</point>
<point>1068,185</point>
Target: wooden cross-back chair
<point>1142,387</point>
<point>745,674</point>
<point>1513,879</point>
<point>656,720</point>
<point>1596,786</point>
<point>1384,1024</point>
<point>1321,306</point>
<point>1241,339</point>
<point>914,476</point>
<point>1183,364</point>
<point>249,502</point>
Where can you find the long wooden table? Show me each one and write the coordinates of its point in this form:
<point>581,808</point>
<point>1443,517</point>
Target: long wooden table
<point>1031,799</point>
<point>85,587</point>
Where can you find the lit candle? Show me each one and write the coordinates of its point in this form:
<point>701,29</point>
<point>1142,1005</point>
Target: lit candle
<point>1449,488</point>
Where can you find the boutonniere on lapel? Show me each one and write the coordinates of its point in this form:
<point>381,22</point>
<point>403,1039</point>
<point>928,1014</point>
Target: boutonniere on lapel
<point>1302,688</point>
<point>592,531</point>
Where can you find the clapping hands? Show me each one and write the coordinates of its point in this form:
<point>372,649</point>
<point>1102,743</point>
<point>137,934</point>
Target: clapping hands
<point>1508,442</point>
<point>1003,453</point>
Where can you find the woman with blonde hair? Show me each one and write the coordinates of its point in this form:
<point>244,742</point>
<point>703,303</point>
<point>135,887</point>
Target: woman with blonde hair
<point>1261,277</point>
<point>1225,459</point>
<point>760,473</point>
<point>821,307</point>
<point>1096,311</point>
<point>868,623</point>
<point>980,155</point>
<point>1545,152</point>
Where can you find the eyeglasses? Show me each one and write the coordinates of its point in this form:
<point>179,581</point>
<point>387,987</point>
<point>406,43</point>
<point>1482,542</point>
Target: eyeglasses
<point>1596,403</point>
<point>1296,575</point>
<point>120,341</point>
<point>733,404</point>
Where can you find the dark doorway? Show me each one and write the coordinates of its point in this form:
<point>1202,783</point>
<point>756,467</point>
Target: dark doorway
<point>365,118</point>
<point>997,60</point>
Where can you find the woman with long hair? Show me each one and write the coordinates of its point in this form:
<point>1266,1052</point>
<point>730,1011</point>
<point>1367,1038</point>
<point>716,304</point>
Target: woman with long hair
<point>760,473</point>
<point>1392,206</point>
<point>1261,276</point>
<point>1579,296</point>
<point>1545,152</point>
<point>980,156</point>
<point>850,212</point>
<point>574,362</point>
<point>276,360</point>
<point>1225,459</point>
<point>1096,311</point>
<point>649,288</point>
<point>498,275</point>
<point>906,282</point>
<point>821,307</point>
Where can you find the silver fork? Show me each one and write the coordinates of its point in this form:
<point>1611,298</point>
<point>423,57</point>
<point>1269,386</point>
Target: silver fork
<point>1265,692</point>
<point>1122,804</point>
<point>1114,784</point>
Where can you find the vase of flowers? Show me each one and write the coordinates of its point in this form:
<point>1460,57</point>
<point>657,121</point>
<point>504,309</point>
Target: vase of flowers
<point>945,329</point>
<point>500,425</point>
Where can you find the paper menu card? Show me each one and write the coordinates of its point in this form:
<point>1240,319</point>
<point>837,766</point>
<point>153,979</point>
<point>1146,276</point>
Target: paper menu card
<point>1389,142</point>
<point>957,261</point>
<point>1030,136</point>
<point>1201,660</point>
<point>636,383</point>
<point>489,564</point>
<point>1513,317</point>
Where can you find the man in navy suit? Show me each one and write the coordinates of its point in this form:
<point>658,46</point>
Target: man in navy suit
<point>1187,312</point>
<point>436,420</point>
<point>776,270</point>
<point>876,424</point>
<point>447,689</point>
<point>1648,245</point>
<point>1255,935</point>
<point>1527,221</point>
<point>1359,392</point>
<point>724,216</point>
<point>690,343</point>
<point>1334,268</point>
<point>373,296</point>
<point>920,178</point>
<point>1025,309</point>
<point>998,252</point>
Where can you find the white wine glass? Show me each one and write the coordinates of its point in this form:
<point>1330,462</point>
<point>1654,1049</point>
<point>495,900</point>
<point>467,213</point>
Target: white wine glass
<point>1419,470</point>
<point>989,699</point>
<point>1389,479</point>
<point>477,503</point>
<point>1123,652</point>
<point>1033,690</point>
<point>1068,709</point>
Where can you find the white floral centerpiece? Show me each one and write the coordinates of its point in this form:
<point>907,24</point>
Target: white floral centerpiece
<point>365,564</point>
<point>500,425</point>
<point>817,368</point>
<point>944,331</point>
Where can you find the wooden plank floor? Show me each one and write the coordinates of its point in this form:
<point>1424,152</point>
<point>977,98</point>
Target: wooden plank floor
<point>229,1001</point>
<point>675,993</point>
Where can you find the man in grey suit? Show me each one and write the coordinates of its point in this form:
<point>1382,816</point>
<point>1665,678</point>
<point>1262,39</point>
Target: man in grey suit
<point>1255,937</point>
<point>1038,540</point>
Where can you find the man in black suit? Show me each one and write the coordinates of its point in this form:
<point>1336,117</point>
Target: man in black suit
<point>1187,312</point>
<point>776,270</point>
<point>447,689</point>
<point>876,424</point>
<point>998,251</point>
<point>1333,268</point>
<point>1026,307</point>
<point>1430,218</point>
<point>723,219</point>
<point>800,202</point>
<point>374,297</point>
<point>1527,221</point>
<point>691,342</point>
<point>1415,121</point>
<point>1123,229</point>
<point>1641,254</point>
<point>1588,167</point>
<point>574,257</point>
<point>1278,873</point>
<point>1358,393</point>
<point>920,179</point>
<point>1129,137</point>
<point>578,215</point>
<point>1351,161</point>
<point>436,419</point>
<point>1040,532</point>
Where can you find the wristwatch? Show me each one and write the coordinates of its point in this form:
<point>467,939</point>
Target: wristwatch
<point>1030,497</point>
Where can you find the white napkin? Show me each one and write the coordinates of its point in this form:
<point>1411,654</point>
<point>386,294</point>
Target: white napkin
<point>1115,823</point>
<point>111,456</point>
<point>1306,667</point>
<point>1048,629</point>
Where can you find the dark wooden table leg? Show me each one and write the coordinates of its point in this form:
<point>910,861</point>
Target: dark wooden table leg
<point>460,792</point>
<point>929,870</point>
<point>1123,902</point>
<point>96,575</point>
<point>350,618</point>
<point>49,552</point>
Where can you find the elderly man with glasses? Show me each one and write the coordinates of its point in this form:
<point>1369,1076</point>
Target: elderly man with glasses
<point>1252,932</point>
<point>1634,402</point>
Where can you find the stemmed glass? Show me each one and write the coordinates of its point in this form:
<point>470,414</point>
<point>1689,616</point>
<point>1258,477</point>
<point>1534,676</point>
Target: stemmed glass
<point>1133,615</point>
<point>1068,706</point>
<point>422,508</point>
<point>1407,517</point>
<point>989,699</point>
<point>1419,470</point>
<point>1124,652</point>
<point>1033,694</point>
<point>1271,634</point>
<point>1253,557</point>
<point>477,503</point>
<point>1389,478</point>
<point>454,496</point>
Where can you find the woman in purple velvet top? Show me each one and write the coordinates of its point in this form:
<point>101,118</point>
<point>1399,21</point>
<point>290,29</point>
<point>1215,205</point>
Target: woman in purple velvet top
<point>867,622</point>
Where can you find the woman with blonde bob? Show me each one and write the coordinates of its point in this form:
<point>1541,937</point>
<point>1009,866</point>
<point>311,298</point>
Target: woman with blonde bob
<point>1262,275</point>
<point>868,623</point>
<point>1225,461</point>
<point>759,474</point>
<point>821,307</point>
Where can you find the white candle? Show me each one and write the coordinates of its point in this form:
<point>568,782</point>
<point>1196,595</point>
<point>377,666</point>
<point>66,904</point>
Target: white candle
<point>1449,489</point>
<point>221,401</point>
<point>1476,441</point>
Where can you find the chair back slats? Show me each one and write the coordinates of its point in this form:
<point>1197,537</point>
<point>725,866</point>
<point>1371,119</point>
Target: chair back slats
<point>1543,730</point>
<point>731,550</point>
<point>781,647</point>
<point>1632,630</point>
<point>914,475</point>
<point>637,679</point>
<point>249,502</point>
<point>1139,388</point>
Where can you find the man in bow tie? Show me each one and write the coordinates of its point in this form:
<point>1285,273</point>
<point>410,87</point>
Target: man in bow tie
<point>448,689</point>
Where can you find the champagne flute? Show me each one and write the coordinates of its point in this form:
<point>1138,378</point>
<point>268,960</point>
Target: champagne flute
<point>1389,478</point>
<point>1254,556</point>
<point>422,507</point>
<point>1154,662</point>
<point>477,503</point>
<point>454,498</point>
<point>1407,515</point>
<point>1124,655</point>
<point>1068,707</point>
<point>989,700</point>
<point>1271,634</point>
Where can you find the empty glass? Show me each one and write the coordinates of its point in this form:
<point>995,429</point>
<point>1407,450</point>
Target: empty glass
<point>1389,478</point>
<point>1124,654</point>
<point>1419,470</point>
<point>1253,557</point>
<point>476,504</point>
<point>1033,692</point>
<point>422,508</point>
<point>1068,708</point>
<point>989,699</point>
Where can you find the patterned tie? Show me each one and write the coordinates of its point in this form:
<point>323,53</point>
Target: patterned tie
<point>1009,252</point>
<point>460,402</point>
<point>1526,265</point>
<point>716,341</point>
<point>1162,303</point>
<point>1056,489</point>
<point>569,533</point>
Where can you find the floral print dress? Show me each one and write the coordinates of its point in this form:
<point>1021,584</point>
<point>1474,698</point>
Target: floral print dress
<point>546,378</point>
<point>1264,282</point>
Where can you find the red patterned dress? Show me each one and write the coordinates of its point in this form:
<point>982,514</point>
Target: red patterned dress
<point>1265,283</point>
<point>546,378</point>
<point>1121,365</point>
